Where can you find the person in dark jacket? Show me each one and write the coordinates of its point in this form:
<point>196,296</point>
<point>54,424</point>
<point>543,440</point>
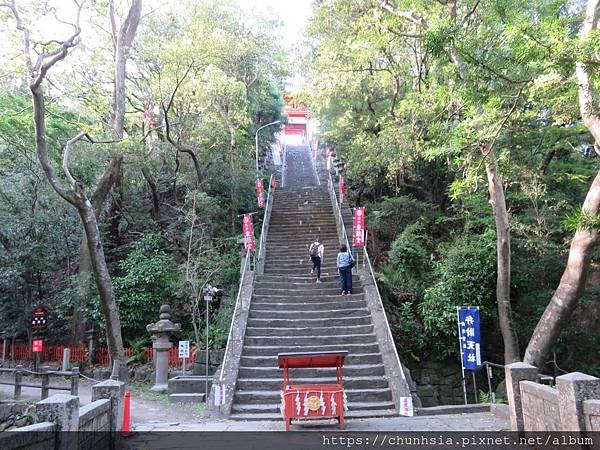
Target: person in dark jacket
<point>344,258</point>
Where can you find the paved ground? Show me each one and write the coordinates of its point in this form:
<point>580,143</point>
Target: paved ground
<point>153,412</point>
<point>449,422</point>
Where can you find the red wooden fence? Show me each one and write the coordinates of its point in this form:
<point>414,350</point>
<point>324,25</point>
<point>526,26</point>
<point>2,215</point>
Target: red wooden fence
<point>22,352</point>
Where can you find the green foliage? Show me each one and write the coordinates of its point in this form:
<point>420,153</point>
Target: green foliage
<point>147,281</point>
<point>411,256</point>
<point>138,347</point>
<point>465,275</point>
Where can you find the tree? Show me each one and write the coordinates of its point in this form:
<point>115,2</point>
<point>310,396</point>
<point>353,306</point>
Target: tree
<point>73,193</point>
<point>572,284</point>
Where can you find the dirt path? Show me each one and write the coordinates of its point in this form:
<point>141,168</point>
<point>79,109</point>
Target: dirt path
<point>146,406</point>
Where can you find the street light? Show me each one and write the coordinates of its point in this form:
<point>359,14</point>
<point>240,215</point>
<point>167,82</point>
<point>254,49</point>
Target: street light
<point>256,140</point>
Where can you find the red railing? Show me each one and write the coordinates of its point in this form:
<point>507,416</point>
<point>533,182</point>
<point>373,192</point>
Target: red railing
<point>53,353</point>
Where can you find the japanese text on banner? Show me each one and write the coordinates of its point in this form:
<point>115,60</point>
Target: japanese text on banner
<point>260,193</point>
<point>469,337</point>
<point>359,227</point>
<point>248,232</point>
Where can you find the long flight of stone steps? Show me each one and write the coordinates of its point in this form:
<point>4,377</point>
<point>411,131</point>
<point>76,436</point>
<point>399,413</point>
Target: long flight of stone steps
<point>290,312</point>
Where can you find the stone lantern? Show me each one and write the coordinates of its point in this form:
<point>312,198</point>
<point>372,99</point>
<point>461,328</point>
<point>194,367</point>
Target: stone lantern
<point>161,332</point>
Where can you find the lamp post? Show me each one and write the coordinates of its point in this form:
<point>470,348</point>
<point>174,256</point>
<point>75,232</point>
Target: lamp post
<point>256,140</point>
<point>208,292</point>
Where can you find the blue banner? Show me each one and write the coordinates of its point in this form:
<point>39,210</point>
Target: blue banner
<point>469,336</point>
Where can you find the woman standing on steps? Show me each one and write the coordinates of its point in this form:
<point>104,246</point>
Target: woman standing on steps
<point>344,260</point>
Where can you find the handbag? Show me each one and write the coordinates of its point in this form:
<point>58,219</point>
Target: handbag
<point>352,262</point>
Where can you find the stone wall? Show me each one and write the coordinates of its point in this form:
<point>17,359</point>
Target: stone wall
<point>438,383</point>
<point>215,358</point>
<point>574,405</point>
<point>591,411</point>
<point>540,407</point>
<point>15,414</point>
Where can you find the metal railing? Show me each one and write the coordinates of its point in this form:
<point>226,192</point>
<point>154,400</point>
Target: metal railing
<point>339,217</point>
<point>265,224</point>
<point>337,209</point>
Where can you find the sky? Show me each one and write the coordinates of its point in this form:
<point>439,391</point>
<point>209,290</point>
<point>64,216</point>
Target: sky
<point>294,14</point>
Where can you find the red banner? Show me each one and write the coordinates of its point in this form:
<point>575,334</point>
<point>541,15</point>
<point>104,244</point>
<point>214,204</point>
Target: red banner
<point>248,232</point>
<point>328,157</point>
<point>342,189</point>
<point>260,193</point>
<point>37,345</point>
<point>359,227</point>
<point>274,182</point>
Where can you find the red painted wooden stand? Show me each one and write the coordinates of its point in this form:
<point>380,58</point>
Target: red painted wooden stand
<point>312,401</point>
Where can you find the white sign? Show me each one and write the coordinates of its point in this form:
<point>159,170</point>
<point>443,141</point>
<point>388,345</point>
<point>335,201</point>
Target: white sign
<point>406,406</point>
<point>184,349</point>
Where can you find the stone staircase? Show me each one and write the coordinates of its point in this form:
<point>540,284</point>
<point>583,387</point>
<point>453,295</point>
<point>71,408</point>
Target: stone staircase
<point>290,312</point>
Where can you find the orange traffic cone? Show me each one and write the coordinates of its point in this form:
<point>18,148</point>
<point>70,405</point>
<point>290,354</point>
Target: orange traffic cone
<point>126,429</point>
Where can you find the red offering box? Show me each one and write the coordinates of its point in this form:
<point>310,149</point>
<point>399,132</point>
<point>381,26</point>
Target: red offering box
<point>312,401</point>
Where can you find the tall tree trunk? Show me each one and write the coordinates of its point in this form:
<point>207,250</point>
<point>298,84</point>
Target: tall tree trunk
<point>498,202</point>
<point>77,198</point>
<point>572,283</point>
<point>153,193</point>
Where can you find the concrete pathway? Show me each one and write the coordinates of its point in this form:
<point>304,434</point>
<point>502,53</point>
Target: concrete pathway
<point>449,422</point>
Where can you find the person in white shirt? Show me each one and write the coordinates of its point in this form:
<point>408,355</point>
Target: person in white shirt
<point>315,253</point>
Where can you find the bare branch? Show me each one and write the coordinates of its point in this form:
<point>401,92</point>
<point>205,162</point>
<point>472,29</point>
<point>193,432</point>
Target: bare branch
<point>65,161</point>
<point>411,16</point>
<point>472,11</point>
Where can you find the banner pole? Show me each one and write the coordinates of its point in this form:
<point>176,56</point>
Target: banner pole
<point>462,367</point>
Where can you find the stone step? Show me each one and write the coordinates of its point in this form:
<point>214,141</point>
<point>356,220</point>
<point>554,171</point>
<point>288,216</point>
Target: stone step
<point>273,384</point>
<point>308,283</point>
<point>357,414</point>
<point>333,314</point>
<point>186,398</point>
<point>247,397</point>
<point>295,246</point>
<point>310,339</point>
<point>302,329</point>
<point>344,303</point>
<point>300,293</point>
<point>302,232</point>
<point>274,408</point>
<point>272,361</point>
<point>354,370</point>
<point>299,280</point>
<point>298,264</point>
<point>188,384</point>
<point>309,298</point>
<point>291,323</point>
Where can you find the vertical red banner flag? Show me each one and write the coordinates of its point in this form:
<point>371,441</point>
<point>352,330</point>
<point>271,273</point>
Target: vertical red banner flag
<point>248,232</point>
<point>342,189</point>
<point>260,193</point>
<point>359,227</point>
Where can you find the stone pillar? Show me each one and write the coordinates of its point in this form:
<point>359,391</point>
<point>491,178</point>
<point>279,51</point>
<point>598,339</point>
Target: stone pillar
<point>573,388</point>
<point>515,373</point>
<point>161,332</point>
<point>66,361</point>
<point>114,391</point>
<point>91,339</point>
<point>63,411</point>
